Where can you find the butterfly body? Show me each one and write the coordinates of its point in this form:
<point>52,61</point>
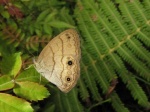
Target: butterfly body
<point>59,60</point>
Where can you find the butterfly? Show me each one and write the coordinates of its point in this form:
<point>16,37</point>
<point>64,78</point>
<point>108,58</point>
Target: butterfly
<point>59,61</point>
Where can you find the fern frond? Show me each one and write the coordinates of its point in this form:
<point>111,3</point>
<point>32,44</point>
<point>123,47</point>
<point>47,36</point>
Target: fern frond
<point>132,84</point>
<point>115,34</point>
<point>93,70</point>
<point>138,50</point>
<point>83,92</point>
<point>145,4</point>
<point>68,102</point>
<point>12,35</point>
<point>137,64</point>
<point>90,83</point>
<point>118,104</point>
<point>137,92</point>
<point>34,41</point>
<point>143,35</point>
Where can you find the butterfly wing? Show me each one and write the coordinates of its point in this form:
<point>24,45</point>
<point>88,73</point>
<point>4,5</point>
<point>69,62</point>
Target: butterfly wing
<point>59,60</point>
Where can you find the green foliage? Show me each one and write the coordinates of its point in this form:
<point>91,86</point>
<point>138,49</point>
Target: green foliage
<point>6,83</point>
<point>115,45</point>
<point>64,103</point>
<point>25,85</point>
<point>30,74</point>
<point>25,90</point>
<point>14,61</point>
<point>9,102</point>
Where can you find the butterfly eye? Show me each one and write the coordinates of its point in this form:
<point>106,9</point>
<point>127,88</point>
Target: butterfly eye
<point>70,62</point>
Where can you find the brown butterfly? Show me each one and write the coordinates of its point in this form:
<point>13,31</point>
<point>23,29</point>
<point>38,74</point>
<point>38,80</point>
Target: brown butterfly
<point>59,60</point>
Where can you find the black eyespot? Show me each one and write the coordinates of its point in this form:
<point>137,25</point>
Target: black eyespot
<point>68,79</point>
<point>68,36</point>
<point>70,63</point>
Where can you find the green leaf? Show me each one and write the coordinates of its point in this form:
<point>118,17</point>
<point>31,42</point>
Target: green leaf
<point>11,64</point>
<point>30,74</point>
<point>47,28</point>
<point>42,16</point>
<point>60,24</point>
<point>10,103</point>
<point>6,82</point>
<point>5,14</point>
<point>50,16</point>
<point>38,32</point>
<point>31,91</point>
